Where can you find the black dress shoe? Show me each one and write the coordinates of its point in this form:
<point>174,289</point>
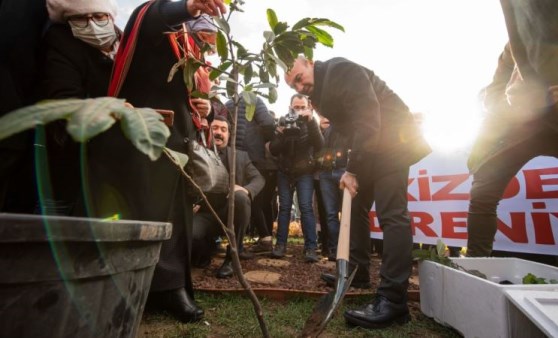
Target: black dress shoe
<point>177,303</point>
<point>379,314</point>
<point>225,270</point>
<point>330,279</point>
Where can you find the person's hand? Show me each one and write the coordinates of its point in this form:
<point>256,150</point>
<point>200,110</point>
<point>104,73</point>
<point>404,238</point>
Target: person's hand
<point>202,105</point>
<point>350,182</point>
<point>196,208</point>
<point>211,7</point>
<point>239,188</point>
<point>306,114</point>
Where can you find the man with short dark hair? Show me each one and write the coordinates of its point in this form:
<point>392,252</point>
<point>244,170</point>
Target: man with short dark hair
<point>249,182</point>
<point>384,141</point>
<point>297,138</point>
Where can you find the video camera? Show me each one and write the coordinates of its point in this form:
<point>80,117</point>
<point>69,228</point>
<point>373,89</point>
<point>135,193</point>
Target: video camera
<point>290,123</point>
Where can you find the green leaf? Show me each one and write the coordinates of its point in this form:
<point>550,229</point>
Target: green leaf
<point>222,46</point>
<point>272,95</point>
<point>241,51</point>
<point>47,111</point>
<point>301,24</point>
<point>277,61</point>
<point>94,117</point>
<point>309,53</point>
<point>223,24</point>
<point>280,28</point>
<point>250,100</point>
<point>145,128</point>
<point>178,158</point>
<point>269,36</point>
<point>323,37</point>
<point>175,68</point>
<point>264,75</point>
<point>188,73</point>
<point>248,73</point>
<point>285,57</point>
<point>271,18</point>
<point>326,22</point>
<point>440,248</point>
<point>232,84</point>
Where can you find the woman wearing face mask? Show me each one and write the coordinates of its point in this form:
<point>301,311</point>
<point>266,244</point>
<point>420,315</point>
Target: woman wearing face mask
<point>79,49</point>
<point>119,179</point>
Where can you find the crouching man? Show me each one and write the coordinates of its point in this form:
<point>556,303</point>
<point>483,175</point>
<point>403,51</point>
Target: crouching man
<point>249,182</point>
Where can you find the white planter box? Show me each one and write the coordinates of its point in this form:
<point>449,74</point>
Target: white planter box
<point>474,306</point>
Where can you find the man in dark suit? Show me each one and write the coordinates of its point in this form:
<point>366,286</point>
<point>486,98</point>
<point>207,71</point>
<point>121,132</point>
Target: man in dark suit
<point>249,182</point>
<point>384,141</point>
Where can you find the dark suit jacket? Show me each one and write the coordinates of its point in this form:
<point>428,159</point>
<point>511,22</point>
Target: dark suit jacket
<point>384,136</point>
<point>246,174</point>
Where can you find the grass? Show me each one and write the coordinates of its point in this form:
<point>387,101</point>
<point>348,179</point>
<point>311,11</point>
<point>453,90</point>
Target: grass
<point>232,315</point>
<point>228,315</point>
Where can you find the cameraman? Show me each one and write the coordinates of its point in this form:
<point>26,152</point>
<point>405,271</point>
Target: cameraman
<point>298,137</point>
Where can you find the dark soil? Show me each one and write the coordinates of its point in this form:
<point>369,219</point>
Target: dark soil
<point>297,276</point>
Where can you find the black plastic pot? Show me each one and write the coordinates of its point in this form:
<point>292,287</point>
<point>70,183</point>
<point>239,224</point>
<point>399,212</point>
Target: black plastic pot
<point>75,277</point>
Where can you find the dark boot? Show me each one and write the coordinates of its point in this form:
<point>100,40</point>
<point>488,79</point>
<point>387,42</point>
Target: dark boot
<point>177,303</point>
<point>225,270</point>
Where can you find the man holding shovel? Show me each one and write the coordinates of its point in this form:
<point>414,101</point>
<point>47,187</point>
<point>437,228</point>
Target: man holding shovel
<point>384,141</point>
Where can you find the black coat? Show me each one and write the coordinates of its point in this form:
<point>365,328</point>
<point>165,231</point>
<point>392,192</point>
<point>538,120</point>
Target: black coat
<point>251,136</point>
<point>118,178</point>
<point>246,174</point>
<point>295,153</point>
<point>384,136</point>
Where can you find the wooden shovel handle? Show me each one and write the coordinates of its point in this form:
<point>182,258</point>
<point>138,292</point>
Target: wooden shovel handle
<point>345,227</point>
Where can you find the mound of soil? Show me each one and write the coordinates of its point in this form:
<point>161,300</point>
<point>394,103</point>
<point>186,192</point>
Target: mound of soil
<point>294,274</point>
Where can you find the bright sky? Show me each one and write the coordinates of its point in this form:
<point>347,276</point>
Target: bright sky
<point>435,54</point>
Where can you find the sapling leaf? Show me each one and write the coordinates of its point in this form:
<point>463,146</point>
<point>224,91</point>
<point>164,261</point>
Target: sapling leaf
<point>43,113</point>
<point>146,130</point>
<point>179,158</point>
<point>94,117</point>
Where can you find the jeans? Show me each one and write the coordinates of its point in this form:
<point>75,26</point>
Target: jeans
<point>304,186</point>
<point>331,199</point>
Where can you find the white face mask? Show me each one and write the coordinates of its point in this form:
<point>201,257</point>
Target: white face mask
<point>95,35</point>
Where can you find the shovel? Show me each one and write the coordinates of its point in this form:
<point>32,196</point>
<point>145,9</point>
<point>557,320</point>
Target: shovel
<point>328,304</point>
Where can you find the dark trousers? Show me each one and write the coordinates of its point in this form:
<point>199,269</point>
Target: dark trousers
<point>389,194</point>
<point>262,207</point>
<point>207,228</point>
<point>489,184</point>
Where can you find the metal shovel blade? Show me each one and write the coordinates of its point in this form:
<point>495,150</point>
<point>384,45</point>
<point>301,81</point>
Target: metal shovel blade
<point>326,306</point>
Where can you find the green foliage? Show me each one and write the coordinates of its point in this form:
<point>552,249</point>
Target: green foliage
<point>532,279</point>
<point>437,255</point>
<point>245,71</point>
<point>90,117</point>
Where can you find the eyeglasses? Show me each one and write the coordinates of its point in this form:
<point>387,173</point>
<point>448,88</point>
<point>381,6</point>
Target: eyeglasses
<point>82,21</point>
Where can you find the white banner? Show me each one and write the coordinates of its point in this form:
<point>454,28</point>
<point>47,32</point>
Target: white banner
<point>439,199</point>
